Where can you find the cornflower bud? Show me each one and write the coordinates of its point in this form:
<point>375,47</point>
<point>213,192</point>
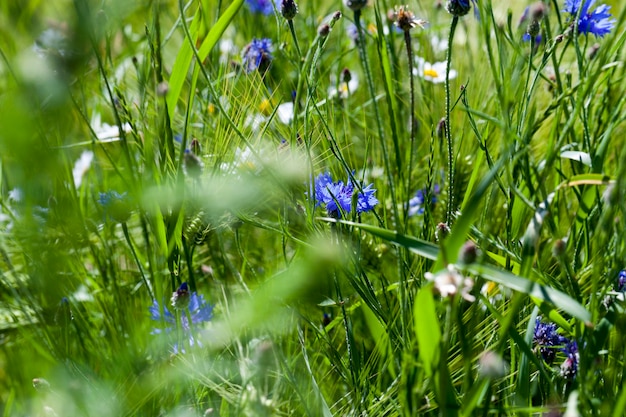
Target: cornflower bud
<point>162,88</point>
<point>181,297</point>
<point>289,9</point>
<point>323,30</point>
<point>468,253</point>
<point>458,7</point>
<point>442,232</point>
<point>192,164</point>
<point>355,4</point>
<point>346,76</point>
<point>441,128</point>
<point>195,146</point>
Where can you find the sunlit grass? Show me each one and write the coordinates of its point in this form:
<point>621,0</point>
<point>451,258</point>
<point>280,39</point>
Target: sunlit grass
<point>145,145</point>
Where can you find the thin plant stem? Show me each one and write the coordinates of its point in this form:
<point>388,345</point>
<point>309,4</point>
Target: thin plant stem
<point>295,38</point>
<point>455,20</point>
<point>409,52</point>
<point>132,249</point>
<point>379,123</point>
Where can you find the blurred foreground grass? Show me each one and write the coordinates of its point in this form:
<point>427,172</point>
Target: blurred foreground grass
<point>347,250</point>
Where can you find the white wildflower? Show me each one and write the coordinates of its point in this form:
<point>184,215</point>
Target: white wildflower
<point>449,282</point>
<point>435,72</point>
<point>81,167</point>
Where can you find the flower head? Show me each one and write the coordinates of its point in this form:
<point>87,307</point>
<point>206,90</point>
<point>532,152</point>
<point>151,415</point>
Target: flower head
<point>257,55</point>
<point>115,205</point>
<point>621,281</point>
<point>528,37</point>
<point>81,167</point>
<point>406,20</point>
<point>366,200</point>
<point>598,22</point>
<point>337,196</point>
<point>289,9</point>
<point>547,340</point>
<point>346,86</point>
<point>569,367</point>
<point>355,4</point>
<point>435,73</point>
<point>417,203</point>
<point>181,297</point>
<point>265,7</point>
<point>194,311</point>
<point>449,282</point>
<point>353,33</point>
<point>459,7</point>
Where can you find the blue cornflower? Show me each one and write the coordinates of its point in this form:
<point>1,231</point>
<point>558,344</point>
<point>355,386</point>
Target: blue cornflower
<point>353,33</point>
<point>262,6</point>
<point>621,281</point>
<point>547,340</point>
<point>108,198</point>
<point>527,37</point>
<point>337,196</point>
<point>461,7</point>
<point>366,200</point>
<point>599,22</point>
<point>416,204</point>
<point>257,55</point>
<point>193,307</point>
<point>115,205</point>
<point>569,368</point>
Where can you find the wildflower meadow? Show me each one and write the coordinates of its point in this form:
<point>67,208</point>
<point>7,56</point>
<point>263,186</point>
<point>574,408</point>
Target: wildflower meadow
<point>312,208</point>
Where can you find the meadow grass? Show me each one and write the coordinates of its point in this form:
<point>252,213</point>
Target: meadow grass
<point>227,208</point>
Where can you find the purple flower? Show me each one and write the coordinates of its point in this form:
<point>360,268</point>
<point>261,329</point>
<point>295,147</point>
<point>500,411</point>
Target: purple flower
<point>527,37</point>
<point>366,200</point>
<point>461,7</point>
<point>569,368</point>
<point>621,281</point>
<point>193,310</point>
<point>353,33</point>
<point>337,196</point>
<point>599,22</point>
<point>257,55</point>
<point>115,205</point>
<point>416,204</point>
<point>547,340</point>
<point>265,7</point>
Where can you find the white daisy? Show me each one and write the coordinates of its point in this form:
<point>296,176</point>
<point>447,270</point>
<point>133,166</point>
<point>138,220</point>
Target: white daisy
<point>285,112</point>
<point>435,72</point>
<point>81,167</point>
<point>105,132</point>
<point>343,89</point>
<point>449,281</point>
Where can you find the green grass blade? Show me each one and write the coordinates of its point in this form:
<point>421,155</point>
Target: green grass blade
<point>185,55</point>
<point>539,293</point>
<point>427,329</point>
<point>415,245</point>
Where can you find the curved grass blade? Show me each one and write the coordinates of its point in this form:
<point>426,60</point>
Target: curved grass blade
<point>185,55</point>
<point>427,329</point>
<point>415,245</point>
<point>538,292</point>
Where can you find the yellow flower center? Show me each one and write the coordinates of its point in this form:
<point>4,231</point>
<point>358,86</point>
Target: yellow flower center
<point>491,287</point>
<point>431,73</point>
<point>265,107</point>
<point>211,108</point>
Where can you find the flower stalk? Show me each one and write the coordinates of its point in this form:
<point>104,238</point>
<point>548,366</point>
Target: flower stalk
<point>455,20</point>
